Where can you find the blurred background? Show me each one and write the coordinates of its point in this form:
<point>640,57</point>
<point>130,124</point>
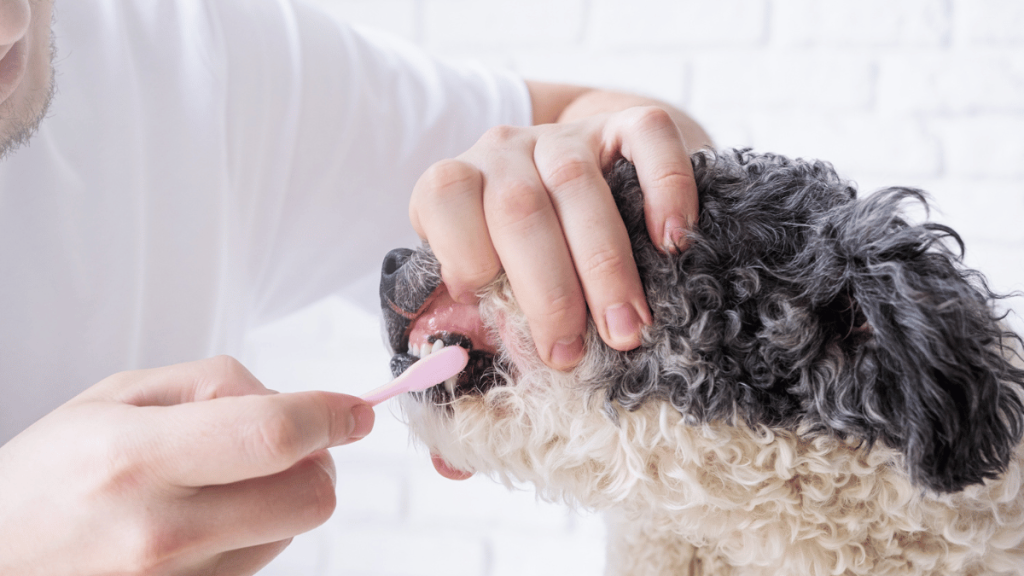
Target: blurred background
<point>925,93</point>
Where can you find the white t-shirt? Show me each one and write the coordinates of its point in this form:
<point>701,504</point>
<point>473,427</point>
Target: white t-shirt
<point>207,166</point>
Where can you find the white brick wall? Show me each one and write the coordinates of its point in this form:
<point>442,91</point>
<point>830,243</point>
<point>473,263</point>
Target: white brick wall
<point>928,93</point>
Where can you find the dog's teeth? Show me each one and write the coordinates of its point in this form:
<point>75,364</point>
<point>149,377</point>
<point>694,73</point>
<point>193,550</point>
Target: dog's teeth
<point>438,344</point>
<point>414,349</point>
<point>449,385</point>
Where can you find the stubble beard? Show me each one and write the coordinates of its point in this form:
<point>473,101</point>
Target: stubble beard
<point>24,123</point>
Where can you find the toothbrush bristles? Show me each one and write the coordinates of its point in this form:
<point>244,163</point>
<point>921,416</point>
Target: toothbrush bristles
<point>427,372</point>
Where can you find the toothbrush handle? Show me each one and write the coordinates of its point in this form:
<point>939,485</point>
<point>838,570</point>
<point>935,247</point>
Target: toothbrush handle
<point>385,392</point>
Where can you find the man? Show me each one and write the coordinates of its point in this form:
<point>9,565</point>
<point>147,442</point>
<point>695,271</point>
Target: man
<point>206,166</point>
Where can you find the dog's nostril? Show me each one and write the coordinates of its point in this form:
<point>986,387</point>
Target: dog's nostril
<point>395,260</point>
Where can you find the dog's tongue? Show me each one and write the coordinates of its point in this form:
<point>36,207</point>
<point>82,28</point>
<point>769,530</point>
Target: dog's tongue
<point>446,470</point>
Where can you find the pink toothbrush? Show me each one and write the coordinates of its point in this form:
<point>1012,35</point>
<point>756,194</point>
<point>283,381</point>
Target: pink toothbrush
<point>428,371</point>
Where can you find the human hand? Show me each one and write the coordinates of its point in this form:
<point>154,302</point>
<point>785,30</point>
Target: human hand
<point>533,201</point>
<point>190,469</point>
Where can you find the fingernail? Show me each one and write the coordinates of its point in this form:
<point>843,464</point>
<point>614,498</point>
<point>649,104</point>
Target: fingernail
<point>623,323</point>
<point>675,234</point>
<point>566,352</point>
<point>362,423</point>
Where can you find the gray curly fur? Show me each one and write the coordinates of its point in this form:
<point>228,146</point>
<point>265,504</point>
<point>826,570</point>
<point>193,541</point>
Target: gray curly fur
<point>797,304</point>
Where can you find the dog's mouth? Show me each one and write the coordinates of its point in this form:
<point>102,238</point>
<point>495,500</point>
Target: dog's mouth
<point>443,322</point>
<point>421,317</point>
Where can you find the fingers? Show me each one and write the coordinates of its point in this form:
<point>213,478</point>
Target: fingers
<point>243,473</point>
<point>534,202</point>
<point>484,213</point>
<point>596,237</point>
<point>649,138</point>
<point>231,439</point>
<point>530,240</point>
<point>254,519</point>
<point>447,207</point>
<point>213,422</point>
<point>267,509</point>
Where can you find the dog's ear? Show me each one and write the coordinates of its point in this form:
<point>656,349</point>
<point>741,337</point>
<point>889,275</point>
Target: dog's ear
<point>929,368</point>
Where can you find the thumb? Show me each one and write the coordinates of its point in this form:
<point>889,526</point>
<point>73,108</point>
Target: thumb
<point>232,439</point>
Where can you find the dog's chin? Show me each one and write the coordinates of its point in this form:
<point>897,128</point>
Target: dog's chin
<point>447,470</point>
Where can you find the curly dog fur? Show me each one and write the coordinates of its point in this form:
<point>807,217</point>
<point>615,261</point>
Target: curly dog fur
<point>824,390</point>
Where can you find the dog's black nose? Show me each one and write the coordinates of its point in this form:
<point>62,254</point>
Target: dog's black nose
<point>393,294</point>
<point>407,279</point>
<point>393,261</point>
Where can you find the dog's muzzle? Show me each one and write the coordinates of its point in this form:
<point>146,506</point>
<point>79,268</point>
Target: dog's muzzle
<point>420,317</point>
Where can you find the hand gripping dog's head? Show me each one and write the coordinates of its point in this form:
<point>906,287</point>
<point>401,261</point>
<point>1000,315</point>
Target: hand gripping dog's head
<point>797,308</point>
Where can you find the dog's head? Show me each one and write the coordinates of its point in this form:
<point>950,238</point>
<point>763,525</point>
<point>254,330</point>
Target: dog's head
<point>796,306</point>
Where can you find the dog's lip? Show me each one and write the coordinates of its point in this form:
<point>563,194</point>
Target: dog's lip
<point>447,470</point>
<point>442,313</point>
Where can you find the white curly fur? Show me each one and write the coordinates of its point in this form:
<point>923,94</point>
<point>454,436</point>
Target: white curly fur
<point>824,390</point>
<point>720,498</point>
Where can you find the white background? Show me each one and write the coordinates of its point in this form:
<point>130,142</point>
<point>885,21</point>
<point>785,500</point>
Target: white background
<point>926,93</point>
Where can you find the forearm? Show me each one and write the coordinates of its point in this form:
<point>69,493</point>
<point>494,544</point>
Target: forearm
<point>564,103</point>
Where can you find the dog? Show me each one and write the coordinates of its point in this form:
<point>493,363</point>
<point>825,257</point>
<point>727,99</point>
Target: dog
<point>825,389</point>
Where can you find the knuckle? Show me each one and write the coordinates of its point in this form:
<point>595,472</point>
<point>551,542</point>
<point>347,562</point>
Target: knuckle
<point>121,380</point>
<point>670,179</point>
<point>653,118</point>
<point>447,177</point>
<point>228,364</point>
<point>568,170</point>
<point>328,414</point>
<point>122,467</point>
<point>278,438</point>
<point>121,384</point>
<point>228,367</point>
<point>560,307</point>
<point>151,544</point>
<point>518,201</point>
<point>604,264</point>
<point>500,135</point>
<point>470,278</point>
<point>220,374</point>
